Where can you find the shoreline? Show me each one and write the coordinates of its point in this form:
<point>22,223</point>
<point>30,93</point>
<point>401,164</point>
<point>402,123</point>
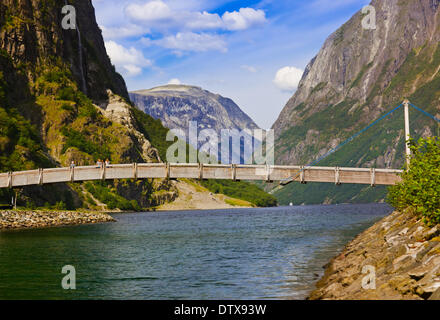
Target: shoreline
<point>39,219</point>
<point>27,219</point>
<point>399,251</point>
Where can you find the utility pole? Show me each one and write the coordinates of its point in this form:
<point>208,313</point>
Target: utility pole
<point>407,134</point>
<point>14,200</point>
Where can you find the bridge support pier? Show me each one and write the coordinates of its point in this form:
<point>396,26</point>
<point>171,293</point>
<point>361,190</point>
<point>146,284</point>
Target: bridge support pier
<point>268,174</point>
<point>103,172</point>
<point>40,177</point>
<point>9,180</point>
<point>337,176</point>
<point>72,174</point>
<point>302,175</point>
<point>200,171</point>
<point>234,172</point>
<point>135,171</point>
<point>373,177</point>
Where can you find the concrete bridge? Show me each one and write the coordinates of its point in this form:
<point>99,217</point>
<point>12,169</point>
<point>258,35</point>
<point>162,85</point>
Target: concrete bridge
<point>285,174</point>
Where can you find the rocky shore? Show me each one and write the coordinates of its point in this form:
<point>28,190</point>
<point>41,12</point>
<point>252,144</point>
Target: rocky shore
<point>13,219</point>
<point>399,252</point>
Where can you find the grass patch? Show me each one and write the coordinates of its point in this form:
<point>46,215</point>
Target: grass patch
<point>237,202</point>
<point>241,190</point>
<point>108,196</point>
<point>194,184</point>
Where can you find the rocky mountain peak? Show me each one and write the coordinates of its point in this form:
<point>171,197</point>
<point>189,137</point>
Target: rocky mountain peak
<point>177,105</point>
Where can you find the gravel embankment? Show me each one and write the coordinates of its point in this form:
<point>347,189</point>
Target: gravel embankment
<point>12,219</point>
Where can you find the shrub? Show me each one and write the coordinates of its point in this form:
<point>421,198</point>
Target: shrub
<point>67,94</point>
<point>30,205</point>
<point>81,141</point>
<point>67,107</point>
<point>102,192</point>
<point>60,206</point>
<point>88,110</point>
<point>17,136</point>
<point>420,186</point>
<point>90,200</point>
<point>154,131</point>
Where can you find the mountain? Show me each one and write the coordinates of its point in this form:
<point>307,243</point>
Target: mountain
<point>177,105</point>
<point>357,76</point>
<point>61,101</point>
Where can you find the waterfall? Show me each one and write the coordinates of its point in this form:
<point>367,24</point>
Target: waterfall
<point>81,67</point>
<point>83,84</point>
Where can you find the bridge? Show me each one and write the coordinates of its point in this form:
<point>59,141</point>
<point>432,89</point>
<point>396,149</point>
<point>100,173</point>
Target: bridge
<point>269,173</point>
<point>201,171</point>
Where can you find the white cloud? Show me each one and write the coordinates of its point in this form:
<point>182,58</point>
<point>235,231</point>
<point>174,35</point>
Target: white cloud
<point>127,31</point>
<point>249,68</point>
<point>150,11</point>
<point>147,42</point>
<point>191,42</point>
<point>157,14</point>
<point>130,61</point>
<point>203,20</point>
<point>131,70</point>
<point>243,19</point>
<point>174,81</point>
<point>288,78</point>
<point>177,25</point>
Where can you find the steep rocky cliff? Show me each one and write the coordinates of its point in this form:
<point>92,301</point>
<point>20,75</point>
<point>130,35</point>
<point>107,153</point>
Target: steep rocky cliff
<point>31,33</point>
<point>177,105</point>
<point>61,101</point>
<point>357,76</point>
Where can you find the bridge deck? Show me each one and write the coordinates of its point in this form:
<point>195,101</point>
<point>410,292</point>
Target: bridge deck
<point>196,171</point>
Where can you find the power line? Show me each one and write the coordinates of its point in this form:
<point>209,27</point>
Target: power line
<point>331,151</point>
<point>426,113</point>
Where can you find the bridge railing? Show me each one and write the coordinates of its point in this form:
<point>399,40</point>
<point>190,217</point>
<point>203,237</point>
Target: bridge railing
<point>201,171</point>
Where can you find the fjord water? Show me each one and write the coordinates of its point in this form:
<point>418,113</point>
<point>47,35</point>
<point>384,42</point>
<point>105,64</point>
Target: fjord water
<point>270,253</point>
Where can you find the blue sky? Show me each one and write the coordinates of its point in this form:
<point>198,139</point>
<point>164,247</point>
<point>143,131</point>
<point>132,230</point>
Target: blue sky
<point>251,51</point>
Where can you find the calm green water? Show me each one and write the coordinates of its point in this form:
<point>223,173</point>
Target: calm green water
<point>275,253</point>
